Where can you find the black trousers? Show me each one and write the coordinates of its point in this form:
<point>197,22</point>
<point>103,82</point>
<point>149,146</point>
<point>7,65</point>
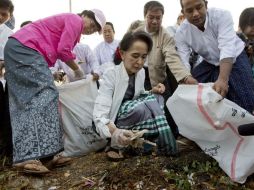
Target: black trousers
<point>5,124</point>
<point>170,87</point>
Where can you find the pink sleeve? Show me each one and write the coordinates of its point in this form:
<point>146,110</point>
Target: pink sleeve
<point>70,36</point>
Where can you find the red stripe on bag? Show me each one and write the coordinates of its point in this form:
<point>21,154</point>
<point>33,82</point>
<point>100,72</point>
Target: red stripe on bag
<point>211,122</point>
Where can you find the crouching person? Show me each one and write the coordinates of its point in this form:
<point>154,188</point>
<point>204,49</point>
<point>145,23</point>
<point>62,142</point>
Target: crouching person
<point>123,105</point>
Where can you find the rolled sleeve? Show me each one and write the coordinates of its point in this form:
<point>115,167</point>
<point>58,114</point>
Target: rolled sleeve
<point>226,36</point>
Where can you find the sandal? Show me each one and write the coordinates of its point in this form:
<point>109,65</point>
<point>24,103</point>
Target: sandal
<point>115,154</point>
<point>60,160</point>
<point>32,166</point>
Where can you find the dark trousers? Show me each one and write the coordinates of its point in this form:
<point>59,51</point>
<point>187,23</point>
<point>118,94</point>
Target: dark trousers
<point>170,86</point>
<point>5,126</point>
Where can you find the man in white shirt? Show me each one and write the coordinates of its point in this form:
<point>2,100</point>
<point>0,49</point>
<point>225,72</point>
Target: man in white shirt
<point>85,58</point>
<point>210,33</point>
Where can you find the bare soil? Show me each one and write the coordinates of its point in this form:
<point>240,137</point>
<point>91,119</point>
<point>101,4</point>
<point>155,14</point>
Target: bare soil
<point>192,170</point>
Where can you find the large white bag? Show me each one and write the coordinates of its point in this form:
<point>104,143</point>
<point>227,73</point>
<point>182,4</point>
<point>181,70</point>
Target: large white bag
<point>213,124</point>
<point>76,110</point>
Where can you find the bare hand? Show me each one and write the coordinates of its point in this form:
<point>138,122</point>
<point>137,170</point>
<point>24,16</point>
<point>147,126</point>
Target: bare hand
<point>79,74</point>
<point>95,76</point>
<point>250,50</point>
<point>221,87</point>
<point>190,80</point>
<point>58,76</point>
<point>158,89</point>
<point>1,67</point>
<point>1,63</point>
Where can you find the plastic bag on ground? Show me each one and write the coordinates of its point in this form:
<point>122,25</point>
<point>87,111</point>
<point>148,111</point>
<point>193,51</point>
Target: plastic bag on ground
<point>76,109</point>
<point>212,122</point>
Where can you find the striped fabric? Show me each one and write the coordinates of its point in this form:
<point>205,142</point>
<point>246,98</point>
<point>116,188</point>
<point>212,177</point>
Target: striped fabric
<point>146,112</point>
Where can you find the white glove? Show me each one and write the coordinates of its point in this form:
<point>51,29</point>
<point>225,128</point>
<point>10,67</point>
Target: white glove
<point>79,74</point>
<point>121,138</point>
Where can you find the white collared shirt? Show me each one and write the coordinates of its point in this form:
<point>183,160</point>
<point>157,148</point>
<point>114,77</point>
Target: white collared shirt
<point>105,51</point>
<point>5,32</point>
<point>84,56</point>
<point>218,41</point>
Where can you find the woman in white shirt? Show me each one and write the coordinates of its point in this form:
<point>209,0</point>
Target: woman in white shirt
<point>105,50</point>
<point>123,104</point>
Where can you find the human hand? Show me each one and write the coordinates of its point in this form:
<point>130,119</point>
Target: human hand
<point>1,67</point>
<point>221,87</point>
<point>95,76</point>
<point>121,138</point>
<point>79,74</point>
<point>158,89</point>
<point>58,76</point>
<point>190,80</point>
<point>250,50</point>
<point>1,63</point>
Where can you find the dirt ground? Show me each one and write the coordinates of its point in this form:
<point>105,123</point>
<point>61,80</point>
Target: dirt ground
<point>192,169</point>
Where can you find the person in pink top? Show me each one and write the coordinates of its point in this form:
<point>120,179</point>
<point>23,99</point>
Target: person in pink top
<point>33,96</point>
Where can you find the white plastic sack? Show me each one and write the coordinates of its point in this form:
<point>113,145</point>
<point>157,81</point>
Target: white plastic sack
<point>213,124</point>
<point>76,109</point>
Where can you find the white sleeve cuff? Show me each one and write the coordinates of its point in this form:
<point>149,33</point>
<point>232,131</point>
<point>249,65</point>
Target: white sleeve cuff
<point>102,129</point>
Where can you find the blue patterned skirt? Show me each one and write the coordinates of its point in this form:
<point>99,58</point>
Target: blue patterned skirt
<point>33,100</point>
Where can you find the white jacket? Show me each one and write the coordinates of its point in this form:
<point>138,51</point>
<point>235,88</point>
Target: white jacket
<point>111,93</point>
